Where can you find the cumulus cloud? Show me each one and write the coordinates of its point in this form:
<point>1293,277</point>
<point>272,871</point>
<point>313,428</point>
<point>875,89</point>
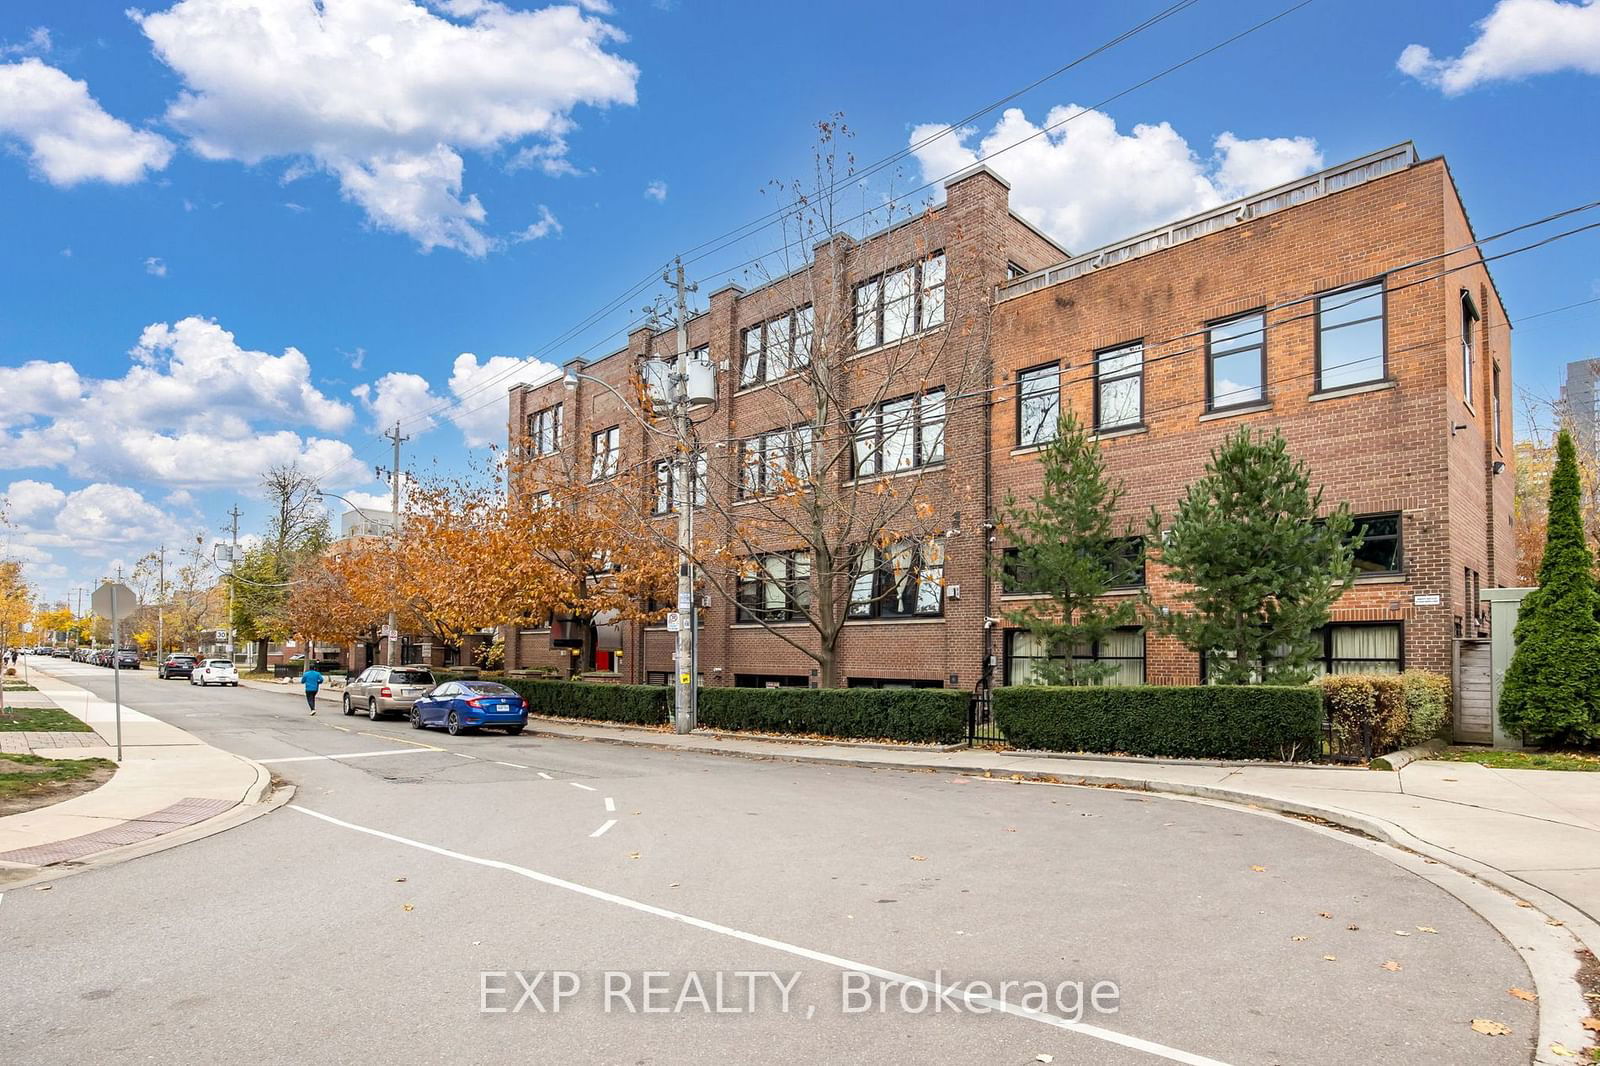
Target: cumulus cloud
<point>398,397</point>
<point>657,191</point>
<point>69,137</point>
<point>37,43</point>
<point>98,516</point>
<point>1086,183</point>
<point>480,388</point>
<point>543,226</point>
<point>385,95</point>
<point>1517,39</point>
<point>37,388</point>
<point>155,267</point>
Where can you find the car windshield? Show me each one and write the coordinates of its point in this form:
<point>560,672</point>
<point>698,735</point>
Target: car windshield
<point>487,688</point>
<point>219,663</point>
<point>411,677</point>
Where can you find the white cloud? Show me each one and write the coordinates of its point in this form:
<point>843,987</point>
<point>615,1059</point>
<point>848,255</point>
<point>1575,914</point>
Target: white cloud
<point>398,397</point>
<point>37,43</point>
<point>481,388</point>
<point>545,225</point>
<point>70,139</point>
<point>37,388</point>
<point>98,515</point>
<point>155,267</point>
<point>385,95</point>
<point>1517,39</point>
<point>657,191</point>
<point>1087,184</point>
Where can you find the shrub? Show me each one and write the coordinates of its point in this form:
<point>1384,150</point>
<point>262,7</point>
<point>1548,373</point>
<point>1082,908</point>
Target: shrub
<point>925,715</point>
<point>1196,721</point>
<point>1355,701</point>
<point>637,704</point>
<point>1427,705</point>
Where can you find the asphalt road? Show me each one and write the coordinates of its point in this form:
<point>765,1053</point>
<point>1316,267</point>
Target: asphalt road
<point>357,924</point>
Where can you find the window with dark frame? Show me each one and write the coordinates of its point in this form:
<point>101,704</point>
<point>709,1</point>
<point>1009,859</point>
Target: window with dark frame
<point>776,347</point>
<point>667,484</point>
<point>544,431</point>
<point>774,462</point>
<point>1350,337</point>
<point>604,453</point>
<point>1360,649</point>
<point>775,587</point>
<point>1380,550</point>
<point>1119,387</point>
<point>1123,649</point>
<point>1236,362</point>
<point>903,580</point>
<point>900,303</point>
<point>1469,321</point>
<point>1038,404</point>
<point>900,434</point>
<point>1127,569</point>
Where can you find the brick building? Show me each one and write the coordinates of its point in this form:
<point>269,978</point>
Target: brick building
<point>1342,308</point>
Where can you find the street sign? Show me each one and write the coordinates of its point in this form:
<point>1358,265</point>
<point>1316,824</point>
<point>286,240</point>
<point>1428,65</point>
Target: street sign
<point>1422,600</point>
<point>674,621</point>
<point>125,601</point>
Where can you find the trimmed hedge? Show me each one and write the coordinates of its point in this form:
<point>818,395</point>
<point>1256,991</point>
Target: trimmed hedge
<point>920,715</point>
<point>1402,709</point>
<point>1190,721</point>
<point>1427,704</point>
<point>637,704</point>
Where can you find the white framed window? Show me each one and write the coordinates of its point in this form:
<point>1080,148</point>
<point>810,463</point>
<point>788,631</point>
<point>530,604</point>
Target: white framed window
<point>605,449</point>
<point>776,347</point>
<point>544,431</point>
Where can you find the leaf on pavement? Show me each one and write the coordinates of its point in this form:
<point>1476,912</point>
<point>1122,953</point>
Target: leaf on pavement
<point>1259,869</point>
<point>43,888</point>
<point>399,880</point>
<point>1353,927</point>
<point>1041,1057</point>
<point>1426,929</point>
<point>633,854</point>
<point>919,858</point>
<point>1324,914</point>
<point>1554,921</point>
<point>1392,966</point>
<point>1562,1050</point>
<point>407,907</point>
<point>1330,958</point>
<point>1402,932</point>
<point>1297,939</point>
<point>1524,903</point>
<point>1522,994</point>
<point>1592,1024</point>
<point>1489,1028</point>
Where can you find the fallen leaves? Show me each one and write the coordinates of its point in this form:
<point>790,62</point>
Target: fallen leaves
<point>1330,958</point>
<point>408,908</point>
<point>919,858</point>
<point>1562,1050</point>
<point>1554,921</point>
<point>399,880</point>
<point>1524,903</point>
<point>1490,1028</point>
<point>1402,932</point>
<point>43,888</point>
<point>1258,869</point>
<point>1392,966</point>
<point>1426,929</point>
<point>1298,939</point>
<point>1592,1024</point>
<point>1353,927</point>
<point>1522,994</point>
<point>1324,914</point>
<point>633,854</point>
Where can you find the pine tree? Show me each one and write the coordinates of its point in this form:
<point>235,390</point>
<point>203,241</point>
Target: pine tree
<point>1066,547</point>
<point>1263,569</point>
<point>1552,687</point>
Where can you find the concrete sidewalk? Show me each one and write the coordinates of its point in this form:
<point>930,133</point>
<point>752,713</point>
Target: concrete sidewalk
<point>167,780</point>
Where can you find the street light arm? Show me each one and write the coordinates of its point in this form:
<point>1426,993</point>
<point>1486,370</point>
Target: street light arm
<point>570,380</point>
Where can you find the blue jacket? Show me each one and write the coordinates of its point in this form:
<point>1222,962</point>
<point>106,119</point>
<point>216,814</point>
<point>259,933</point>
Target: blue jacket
<point>311,679</point>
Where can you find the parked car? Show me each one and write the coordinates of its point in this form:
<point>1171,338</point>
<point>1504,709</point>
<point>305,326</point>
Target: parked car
<point>214,672</point>
<point>462,705</point>
<point>102,657</point>
<point>127,658</point>
<point>60,653</point>
<point>178,664</point>
<point>381,690</point>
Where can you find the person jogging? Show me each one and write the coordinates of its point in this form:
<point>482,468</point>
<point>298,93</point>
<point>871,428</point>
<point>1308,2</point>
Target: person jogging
<point>312,680</point>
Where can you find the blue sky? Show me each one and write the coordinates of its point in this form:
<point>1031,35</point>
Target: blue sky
<point>224,222</point>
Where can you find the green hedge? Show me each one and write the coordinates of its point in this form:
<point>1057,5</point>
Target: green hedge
<point>638,704</point>
<point>1198,721</point>
<point>921,715</point>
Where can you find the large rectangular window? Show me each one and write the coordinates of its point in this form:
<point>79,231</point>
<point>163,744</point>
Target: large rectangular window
<point>544,431</point>
<point>900,434</point>
<point>605,450</point>
<point>774,588</point>
<point>1380,545</point>
<point>1126,564</point>
<point>1350,337</point>
<point>775,462</point>
<point>1122,651</point>
<point>1360,649</point>
<point>1038,404</point>
<point>1119,387</point>
<point>776,347</point>
<point>667,484</point>
<point>1469,327</point>
<point>1236,362</point>
<point>899,303</point>
<point>904,580</point>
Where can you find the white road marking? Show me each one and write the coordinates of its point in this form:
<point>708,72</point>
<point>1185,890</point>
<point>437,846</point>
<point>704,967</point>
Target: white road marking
<point>513,765</point>
<point>609,823</point>
<point>544,775</point>
<point>461,755</point>
<point>1096,1032</point>
<point>586,788</point>
<point>611,804</point>
<point>347,755</point>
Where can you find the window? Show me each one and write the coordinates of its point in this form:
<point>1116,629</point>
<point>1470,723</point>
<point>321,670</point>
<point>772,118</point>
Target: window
<point>900,303</point>
<point>543,499</point>
<point>1494,406</point>
<point>774,462</point>
<point>1360,649</point>
<point>1350,348</point>
<point>777,347</point>
<point>1126,564</point>
<point>1469,325</point>
<point>667,486</point>
<point>1119,386</point>
<point>1014,270</point>
<point>903,580</point>
<point>1380,544</point>
<point>1236,362</point>
<point>604,451</point>
<point>774,588</point>
<point>544,431</point>
<point>900,434</point>
<point>770,681</point>
<point>1122,650</point>
<point>1038,404</point>
<point>892,682</point>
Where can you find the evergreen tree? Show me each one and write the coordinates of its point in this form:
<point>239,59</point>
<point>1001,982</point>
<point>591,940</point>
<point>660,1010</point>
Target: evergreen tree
<point>1262,568</point>
<point>1552,687</point>
<point>1066,547</point>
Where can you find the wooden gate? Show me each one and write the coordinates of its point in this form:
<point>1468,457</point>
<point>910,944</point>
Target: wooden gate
<point>1474,700</point>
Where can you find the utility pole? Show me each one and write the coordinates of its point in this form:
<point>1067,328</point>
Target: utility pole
<point>686,690</point>
<point>78,617</point>
<point>394,532</point>
<point>161,604</point>
<point>233,561</point>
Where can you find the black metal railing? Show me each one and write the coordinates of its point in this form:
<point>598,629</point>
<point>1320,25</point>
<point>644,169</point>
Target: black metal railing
<point>1347,742</point>
<point>981,725</point>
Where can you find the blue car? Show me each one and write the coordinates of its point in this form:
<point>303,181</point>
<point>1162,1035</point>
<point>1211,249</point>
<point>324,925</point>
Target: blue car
<point>462,705</point>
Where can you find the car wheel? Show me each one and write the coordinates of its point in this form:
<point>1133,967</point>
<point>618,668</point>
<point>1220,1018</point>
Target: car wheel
<point>452,724</point>
<point>349,711</point>
<point>416,718</point>
<point>372,710</point>
<point>514,730</point>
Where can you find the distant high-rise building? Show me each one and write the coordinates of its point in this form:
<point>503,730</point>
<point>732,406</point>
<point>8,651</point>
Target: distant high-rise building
<point>1579,397</point>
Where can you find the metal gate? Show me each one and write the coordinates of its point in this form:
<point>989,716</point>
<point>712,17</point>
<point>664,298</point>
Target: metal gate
<point>981,726</point>
<point>1474,699</point>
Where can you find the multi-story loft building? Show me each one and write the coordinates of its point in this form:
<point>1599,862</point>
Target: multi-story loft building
<point>1349,309</point>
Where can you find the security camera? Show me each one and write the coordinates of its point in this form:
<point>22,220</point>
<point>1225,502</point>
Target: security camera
<point>990,623</point>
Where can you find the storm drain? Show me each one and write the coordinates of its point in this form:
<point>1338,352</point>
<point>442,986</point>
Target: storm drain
<point>184,812</point>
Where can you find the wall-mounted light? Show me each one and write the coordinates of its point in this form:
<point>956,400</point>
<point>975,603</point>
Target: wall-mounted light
<point>1497,467</point>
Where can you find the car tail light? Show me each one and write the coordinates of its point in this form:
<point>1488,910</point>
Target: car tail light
<point>474,703</point>
<point>385,692</point>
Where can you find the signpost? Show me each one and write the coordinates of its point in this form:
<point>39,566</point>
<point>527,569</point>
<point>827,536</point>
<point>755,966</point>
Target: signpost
<point>115,601</point>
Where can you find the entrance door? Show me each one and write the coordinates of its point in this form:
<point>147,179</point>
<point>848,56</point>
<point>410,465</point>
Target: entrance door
<point>1474,701</point>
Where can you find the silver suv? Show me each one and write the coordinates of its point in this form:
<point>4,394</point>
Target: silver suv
<point>381,690</point>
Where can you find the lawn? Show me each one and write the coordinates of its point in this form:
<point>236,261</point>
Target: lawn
<point>40,720</point>
<point>27,781</point>
<point>1525,760</point>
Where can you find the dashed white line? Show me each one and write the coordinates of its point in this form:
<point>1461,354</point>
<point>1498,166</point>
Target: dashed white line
<point>586,788</point>
<point>1109,1036</point>
<point>513,765</point>
<point>544,775</point>
<point>611,804</point>
<point>349,755</point>
<point>462,755</point>
<point>609,823</point>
